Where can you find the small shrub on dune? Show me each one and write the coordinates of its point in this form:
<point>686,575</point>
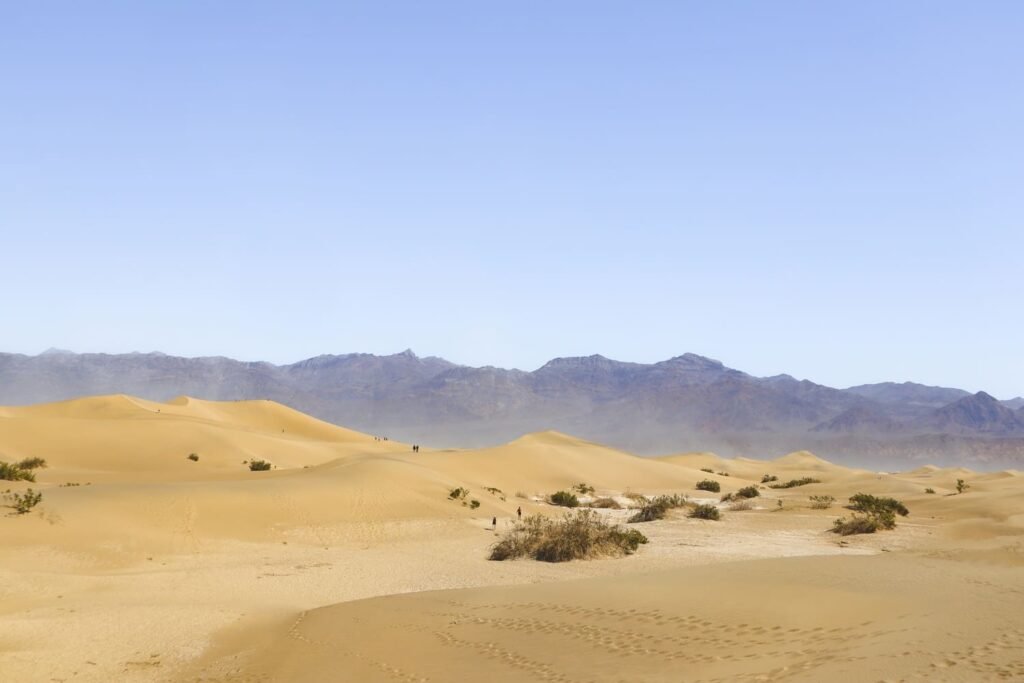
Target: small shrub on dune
<point>606,503</point>
<point>768,478</point>
<point>24,502</point>
<point>259,465</point>
<point>856,524</point>
<point>723,474</point>
<point>458,493</point>
<point>962,486</point>
<point>748,492</point>
<point>741,505</point>
<point>705,511</point>
<point>708,485</point>
<point>564,499</point>
<point>707,469</point>
<point>636,497</point>
<point>821,502</point>
<point>863,502</point>
<point>474,504</point>
<point>793,483</point>
<point>31,463</point>
<point>12,472</point>
<point>194,457</point>
<point>929,490</point>
<point>583,488</point>
<point>657,508</point>
<point>579,535</point>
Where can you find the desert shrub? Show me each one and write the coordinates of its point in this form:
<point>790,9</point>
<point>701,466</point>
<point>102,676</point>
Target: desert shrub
<point>606,503</point>
<point>793,483</point>
<point>748,492</point>
<point>259,465</point>
<point>723,474</point>
<point>583,488</point>
<point>929,490</point>
<point>821,502</point>
<point>768,478</point>
<point>24,502</point>
<point>962,486</point>
<point>564,499</point>
<point>707,469</point>
<point>863,502</point>
<point>474,503</point>
<point>31,463</point>
<point>709,485</point>
<point>194,457</point>
<point>741,504</point>
<point>705,512</point>
<point>582,534</point>
<point>658,507</point>
<point>727,497</point>
<point>458,493</point>
<point>12,472</point>
<point>856,524</point>
<point>636,497</point>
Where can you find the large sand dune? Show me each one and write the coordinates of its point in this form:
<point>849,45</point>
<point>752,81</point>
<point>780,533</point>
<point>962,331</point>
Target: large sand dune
<point>141,564</point>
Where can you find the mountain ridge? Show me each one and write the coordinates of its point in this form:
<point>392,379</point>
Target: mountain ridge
<point>687,402</point>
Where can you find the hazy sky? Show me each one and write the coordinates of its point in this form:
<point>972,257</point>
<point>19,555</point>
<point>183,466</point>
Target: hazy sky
<point>833,190</point>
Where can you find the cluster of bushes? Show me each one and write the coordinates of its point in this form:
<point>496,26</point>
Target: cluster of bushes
<point>707,469</point>
<point>872,514</point>
<point>494,491</point>
<point>792,483</point>
<point>258,465</point>
<point>461,495</point>
<point>583,488</point>
<point>564,499</point>
<point>708,485</point>
<point>23,502</point>
<point>22,470</point>
<point>821,502</point>
<point>658,507</point>
<point>579,535</point>
<point>768,478</point>
<point>742,494</point>
<point>705,511</point>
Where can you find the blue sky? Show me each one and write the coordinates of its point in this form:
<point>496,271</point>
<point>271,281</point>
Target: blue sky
<point>832,190</point>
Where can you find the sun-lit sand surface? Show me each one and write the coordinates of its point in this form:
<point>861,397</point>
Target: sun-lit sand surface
<point>348,562</point>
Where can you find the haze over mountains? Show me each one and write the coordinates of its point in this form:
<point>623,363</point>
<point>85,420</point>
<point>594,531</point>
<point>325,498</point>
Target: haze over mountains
<point>684,403</point>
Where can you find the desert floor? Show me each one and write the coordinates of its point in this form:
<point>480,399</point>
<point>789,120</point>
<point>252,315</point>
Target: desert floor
<point>349,562</point>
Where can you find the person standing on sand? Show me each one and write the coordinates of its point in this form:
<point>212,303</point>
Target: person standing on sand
<point>494,523</point>
<point>519,513</point>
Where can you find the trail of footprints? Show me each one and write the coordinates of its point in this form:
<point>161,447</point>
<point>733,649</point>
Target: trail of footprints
<point>674,642</point>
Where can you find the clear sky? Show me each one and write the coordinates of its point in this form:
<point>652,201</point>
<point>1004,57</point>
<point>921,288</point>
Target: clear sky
<point>833,190</point>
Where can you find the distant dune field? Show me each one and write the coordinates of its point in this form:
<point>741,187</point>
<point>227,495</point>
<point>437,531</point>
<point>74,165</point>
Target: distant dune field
<point>349,560</point>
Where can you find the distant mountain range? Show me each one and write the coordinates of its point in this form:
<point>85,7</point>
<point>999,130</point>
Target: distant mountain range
<point>684,403</point>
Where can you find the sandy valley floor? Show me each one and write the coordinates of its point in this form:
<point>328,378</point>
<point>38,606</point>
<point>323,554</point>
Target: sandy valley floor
<point>348,562</point>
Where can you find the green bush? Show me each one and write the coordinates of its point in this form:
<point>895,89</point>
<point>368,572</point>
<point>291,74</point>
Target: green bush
<point>564,499</point>
<point>259,466</point>
<point>856,524</point>
<point>705,511</point>
<point>821,502</point>
<point>962,486</point>
<point>748,492</point>
<point>709,485</point>
<point>658,507</point>
<point>474,503</point>
<point>863,502</point>
<point>24,502</point>
<point>31,463</point>
<point>12,472</point>
<point>582,534</point>
<point>458,493</point>
<point>793,483</point>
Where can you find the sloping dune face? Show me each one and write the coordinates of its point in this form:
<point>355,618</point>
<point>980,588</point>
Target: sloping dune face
<point>157,554</point>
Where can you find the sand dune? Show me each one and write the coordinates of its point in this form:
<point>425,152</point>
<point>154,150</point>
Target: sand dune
<point>141,564</point>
